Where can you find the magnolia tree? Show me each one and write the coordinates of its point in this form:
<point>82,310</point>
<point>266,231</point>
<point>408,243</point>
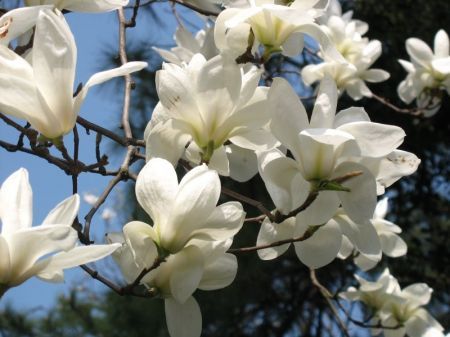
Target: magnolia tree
<point>222,115</point>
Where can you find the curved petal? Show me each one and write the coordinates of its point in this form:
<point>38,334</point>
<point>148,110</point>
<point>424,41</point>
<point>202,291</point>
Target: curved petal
<point>360,202</point>
<point>279,176</point>
<point>420,293</point>
<point>29,245</point>
<point>64,213</point>
<point>104,76</point>
<point>54,60</point>
<point>392,244</point>
<point>186,273</point>
<point>196,199</point>
<point>321,248</point>
<point>374,139</point>
<point>141,239</point>
<point>165,141</point>
<point>5,262</point>
<point>350,115</point>
<point>289,115</point>
<point>219,161</point>
<point>220,273</point>
<point>270,233</point>
<point>16,203</point>
<point>183,320</point>
<point>243,163</point>
<point>441,44</point>
<point>156,189</point>
<point>419,51</point>
<point>325,105</point>
<point>54,265</point>
<point>224,222</point>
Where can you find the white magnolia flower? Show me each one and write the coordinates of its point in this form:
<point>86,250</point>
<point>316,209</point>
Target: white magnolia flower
<point>399,310</point>
<point>42,251</point>
<point>186,211</point>
<point>188,46</point>
<point>325,148</point>
<point>203,265</point>
<point>206,104</point>
<point>428,73</point>
<point>39,89</point>
<point>89,6</point>
<point>279,28</point>
<point>359,54</point>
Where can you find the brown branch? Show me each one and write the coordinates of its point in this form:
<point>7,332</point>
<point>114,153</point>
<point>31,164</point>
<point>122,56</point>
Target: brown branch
<point>309,232</point>
<point>414,112</point>
<point>328,296</point>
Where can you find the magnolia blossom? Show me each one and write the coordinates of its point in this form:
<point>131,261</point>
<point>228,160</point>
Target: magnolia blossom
<point>189,233</point>
<point>206,104</point>
<point>325,148</point>
<point>203,265</point>
<point>186,211</point>
<point>189,45</point>
<point>428,73</point>
<point>39,88</point>
<point>359,54</point>
<point>279,28</point>
<point>399,310</point>
<point>42,251</point>
<point>92,6</point>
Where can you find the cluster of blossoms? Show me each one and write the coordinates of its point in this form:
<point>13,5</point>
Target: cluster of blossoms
<point>359,53</point>
<point>398,310</point>
<point>428,73</point>
<point>323,172</point>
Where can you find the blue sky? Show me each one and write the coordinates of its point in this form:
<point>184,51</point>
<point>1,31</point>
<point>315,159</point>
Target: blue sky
<point>93,33</point>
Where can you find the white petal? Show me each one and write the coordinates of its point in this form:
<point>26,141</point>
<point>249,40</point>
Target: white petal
<point>219,161</point>
<point>16,204</point>
<point>353,114</point>
<point>293,44</point>
<point>325,105</point>
<point>187,270</point>
<point>104,76</point>
<point>220,273</point>
<point>5,261</point>
<point>224,222</point>
<point>64,213</point>
<point>18,21</point>
<point>375,75</point>
<point>165,141</point>
<point>156,188</point>
<point>141,239</point>
<point>271,233</point>
<point>54,60</point>
<point>183,320</point>
<point>392,244</point>
<point>357,89</point>
<point>381,209</point>
<point>27,246</point>
<point>322,247</point>
<point>441,44</point>
<point>419,51</point>
<point>367,262</point>
<point>374,139</point>
<point>418,292</point>
<point>196,199</point>
<point>289,115</point>
<point>243,163</point>
<point>74,257</point>
<point>360,202</point>
<point>284,183</point>
<point>258,140</point>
